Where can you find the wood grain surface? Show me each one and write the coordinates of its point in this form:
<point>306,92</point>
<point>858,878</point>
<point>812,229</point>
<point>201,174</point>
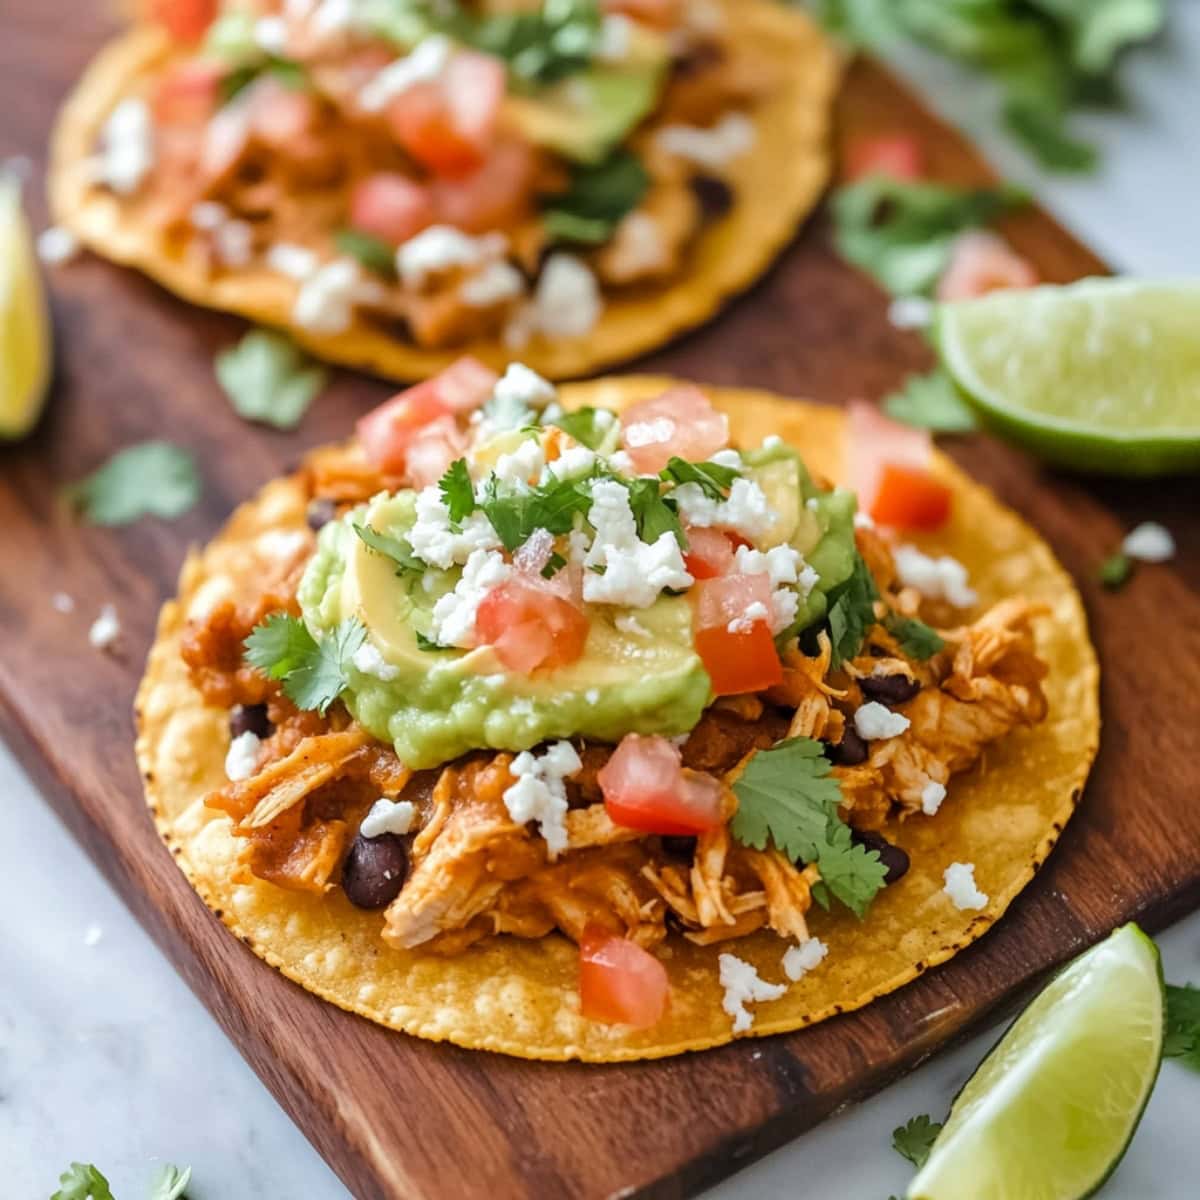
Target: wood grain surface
<point>397,1117</point>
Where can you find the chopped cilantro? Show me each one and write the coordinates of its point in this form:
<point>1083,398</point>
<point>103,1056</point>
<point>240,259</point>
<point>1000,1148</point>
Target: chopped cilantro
<point>714,480</point>
<point>597,199</point>
<point>653,513</point>
<point>427,643</point>
<point>902,233</point>
<point>915,1139</point>
<point>374,253</point>
<point>81,1181</point>
<point>786,795</point>
<point>515,513</point>
<point>852,612</point>
<point>397,549</point>
<point>268,380</point>
<point>155,478</point>
<point>931,402</point>
<point>586,426</point>
<point>313,673</point>
<point>545,45</point>
<point>554,564</point>
<point>458,492</point>
<point>1115,570</point>
<point>1183,1025</point>
<point>916,639</point>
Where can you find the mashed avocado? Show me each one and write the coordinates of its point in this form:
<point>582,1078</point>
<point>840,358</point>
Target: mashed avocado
<point>641,676</point>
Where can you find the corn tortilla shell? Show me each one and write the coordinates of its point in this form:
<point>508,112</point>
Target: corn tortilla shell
<point>519,997</point>
<point>778,183</point>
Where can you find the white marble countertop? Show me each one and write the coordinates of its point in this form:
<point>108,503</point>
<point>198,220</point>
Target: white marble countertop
<point>105,1056</point>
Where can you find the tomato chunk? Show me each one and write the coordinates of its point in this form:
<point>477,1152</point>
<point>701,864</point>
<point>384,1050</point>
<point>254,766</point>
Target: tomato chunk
<point>432,449</point>
<point>874,440</point>
<point>187,94</point>
<point>496,195</point>
<point>682,422</point>
<point>645,787</point>
<point>465,384</point>
<point>910,498</point>
<point>530,626</point>
<point>184,20</point>
<point>619,982</point>
<point>280,115</point>
<point>980,263</point>
<point>390,206</point>
<point>709,552</point>
<point>896,155</point>
<point>734,642</point>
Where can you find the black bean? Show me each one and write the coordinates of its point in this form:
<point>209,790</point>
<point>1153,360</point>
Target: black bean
<point>889,689</point>
<point>893,858</point>
<point>320,512</point>
<point>375,870</point>
<point>701,57</point>
<point>851,750</point>
<point>680,847</point>
<point>250,718</point>
<point>715,196</point>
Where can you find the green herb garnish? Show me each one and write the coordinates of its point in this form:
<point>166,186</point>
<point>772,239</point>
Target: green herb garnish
<point>313,673</point>
<point>586,425</point>
<point>852,612</point>
<point>1115,570</point>
<point>374,253</point>
<point>931,402</point>
<point>82,1181</point>
<point>155,478</point>
<point>915,1139</point>
<point>541,46</point>
<point>515,513</point>
<point>713,480</point>
<point>916,638</point>
<point>1183,1025</point>
<point>596,200</point>
<point>458,492</point>
<point>170,1183</point>
<point>399,550</point>
<point>653,513</point>
<point>268,380</point>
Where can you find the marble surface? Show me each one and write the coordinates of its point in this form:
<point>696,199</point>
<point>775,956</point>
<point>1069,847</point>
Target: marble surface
<point>105,1055</point>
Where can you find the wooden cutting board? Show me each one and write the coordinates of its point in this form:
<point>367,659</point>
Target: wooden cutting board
<point>397,1117</point>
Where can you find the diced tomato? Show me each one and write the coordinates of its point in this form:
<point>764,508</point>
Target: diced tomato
<point>385,432</point>
<point>645,787</point>
<point>980,263</point>
<point>390,206</point>
<point>530,626</point>
<point>280,115</point>
<point>910,498</point>
<point>619,982</point>
<point>465,384</point>
<point>738,654</point>
<point>874,440</point>
<point>709,552</point>
<point>897,156</point>
<point>682,422</point>
<point>187,94</point>
<point>184,20</point>
<point>495,196</point>
<point>447,124</point>
<point>431,451</point>
<point>225,139</point>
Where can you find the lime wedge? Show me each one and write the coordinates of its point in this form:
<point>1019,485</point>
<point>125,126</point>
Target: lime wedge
<point>24,321</point>
<point>1103,375</point>
<point>1048,1114</point>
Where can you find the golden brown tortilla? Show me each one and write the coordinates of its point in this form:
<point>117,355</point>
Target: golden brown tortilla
<point>520,997</point>
<point>778,183</point>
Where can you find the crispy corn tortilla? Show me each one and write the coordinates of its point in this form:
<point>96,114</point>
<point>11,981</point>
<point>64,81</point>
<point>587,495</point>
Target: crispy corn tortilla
<point>519,997</point>
<point>778,183</point>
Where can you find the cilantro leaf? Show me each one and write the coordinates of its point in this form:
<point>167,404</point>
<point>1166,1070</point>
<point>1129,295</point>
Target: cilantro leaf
<point>516,512</point>
<point>170,1183</point>
<point>313,673</point>
<point>374,253</point>
<point>554,564</point>
<point>931,402</point>
<point>713,480</point>
<point>1115,570</point>
<point>428,644</point>
<point>597,199</point>
<point>155,478</point>
<point>397,549</point>
<point>902,233</point>
<point>653,513</point>
<point>852,612</point>
<point>786,795</point>
<point>914,1140</point>
<point>541,46</point>
<point>458,492</point>
<point>588,426</point>
<point>268,380</point>
<point>81,1181</point>
<point>916,639</point>
<point>1183,1025</point>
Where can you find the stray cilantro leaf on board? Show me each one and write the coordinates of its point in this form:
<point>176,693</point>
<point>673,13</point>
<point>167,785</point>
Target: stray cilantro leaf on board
<point>268,380</point>
<point>786,795</point>
<point>397,549</point>
<point>458,492</point>
<point>597,199</point>
<point>712,479</point>
<point>170,1183</point>
<point>313,673</point>
<point>588,426</point>
<point>373,253</point>
<point>931,402</point>
<point>902,233</point>
<point>1115,570</point>
<point>1183,1025</point>
<point>915,1139</point>
<point>917,640</point>
<point>81,1181</point>
<point>852,612</point>
<point>151,478</point>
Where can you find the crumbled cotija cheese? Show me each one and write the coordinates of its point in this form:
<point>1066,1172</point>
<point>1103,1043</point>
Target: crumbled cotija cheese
<point>911,312</point>
<point>575,460</point>
<point>271,35</point>
<point>296,262</point>
<point>540,794</point>
<point>743,986</point>
<point>805,957</point>
<point>629,624</point>
<point>932,795</point>
<point>943,578</point>
<point>442,248</point>
<point>960,886</point>
<point>454,613</point>
<point>714,148</point>
<point>745,511</point>
<point>1149,542</point>
<point>427,61</point>
<point>106,628</point>
<point>369,661</point>
<point>435,540</point>
<point>127,146</point>
<point>63,602</point>
<point>388,816</point>
<point>873,721</point>
<point>567,302</point>
<point>57,245</point>
<point>757,611</point>
<point>523,465</point>
<point>326,300</point>
<point>497,282</point>
<point>242,756</point>
<point>523,388</point>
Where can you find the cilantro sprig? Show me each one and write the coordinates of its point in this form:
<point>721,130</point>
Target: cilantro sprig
<point>374,253</point>
<point>83,1181</point>
<point>150,478</point>
<point>931,402</point>
<point>914,1139</point>
<point>852,612</point>
<point>314,674</point>
<point>712,479</point>
<point>786,795</point>
<point>1183,1025</point>
<point>397,549</point>
<point>516,512</point>
<point>586,425</point>
<point>268,380</point>
<point>917,640</point>
<point>458,492</point>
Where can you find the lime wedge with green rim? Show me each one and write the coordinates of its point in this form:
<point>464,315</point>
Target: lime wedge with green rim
<point>1102,375</point>
<point>1048,1114</point>
<point>24,321</point>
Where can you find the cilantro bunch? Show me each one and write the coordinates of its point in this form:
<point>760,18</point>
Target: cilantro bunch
<point>1048,56</point>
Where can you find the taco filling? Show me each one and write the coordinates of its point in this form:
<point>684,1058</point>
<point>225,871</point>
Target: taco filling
<point>443,172</point>
<point>533,670</point>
